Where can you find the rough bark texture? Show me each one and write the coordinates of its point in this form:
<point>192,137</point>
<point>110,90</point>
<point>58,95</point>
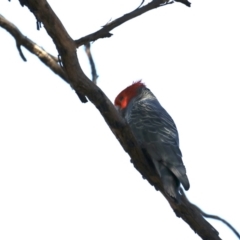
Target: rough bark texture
<point>82,85</point>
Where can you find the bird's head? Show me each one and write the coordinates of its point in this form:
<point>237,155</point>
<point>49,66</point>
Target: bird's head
<point>125,96</point>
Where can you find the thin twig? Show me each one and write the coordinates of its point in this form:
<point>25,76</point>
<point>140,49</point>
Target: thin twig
<point>45,57</point>
<point>206,215</point>
<point>219,219</point>
<point>91,62</point>
<point>141,4</point>
<point>185,2</point>
<point>20,52</point>
<point>105,31</point>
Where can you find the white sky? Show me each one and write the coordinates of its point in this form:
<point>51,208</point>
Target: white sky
<point>63,174</point>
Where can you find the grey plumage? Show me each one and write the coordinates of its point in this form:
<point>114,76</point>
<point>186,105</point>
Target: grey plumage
<point>157,135</point>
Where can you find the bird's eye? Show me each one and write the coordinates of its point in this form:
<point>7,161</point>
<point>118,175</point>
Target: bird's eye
<point>121,98</point>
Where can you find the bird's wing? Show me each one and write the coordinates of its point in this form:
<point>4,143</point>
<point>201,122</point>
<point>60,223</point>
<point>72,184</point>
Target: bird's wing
<point>152,121</point>
<point>156,131</point>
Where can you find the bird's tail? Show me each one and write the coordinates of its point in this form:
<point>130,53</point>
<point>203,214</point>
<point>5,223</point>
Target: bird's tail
<point>180,172</point>
<point>170,182</point>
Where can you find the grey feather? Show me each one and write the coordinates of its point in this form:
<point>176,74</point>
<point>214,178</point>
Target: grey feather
<point>157,134</point>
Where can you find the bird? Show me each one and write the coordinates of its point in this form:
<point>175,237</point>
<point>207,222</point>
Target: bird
<point>156,134</point>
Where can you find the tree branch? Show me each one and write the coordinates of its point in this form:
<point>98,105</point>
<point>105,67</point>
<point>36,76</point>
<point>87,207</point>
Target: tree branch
<point>206,215</point>
<point>45,57</point>
<point>220,219</point>
<point>105,31</point>
<point>185,2</point>
<point>82,85</point>
<point>91,62</point>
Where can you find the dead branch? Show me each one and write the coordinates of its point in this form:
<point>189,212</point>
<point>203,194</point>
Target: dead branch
<point>206,215</point>
<point>185,2</point>
<point>45,57</point>
<point>81,84</point>
<point>105,31</point>
<point>91,62</point>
